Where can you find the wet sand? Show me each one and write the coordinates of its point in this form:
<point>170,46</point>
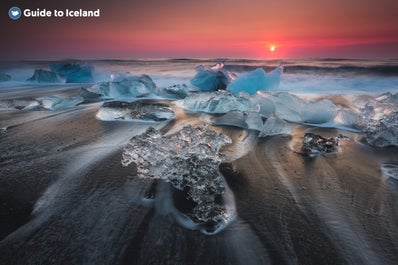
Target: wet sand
<point>66,199</point>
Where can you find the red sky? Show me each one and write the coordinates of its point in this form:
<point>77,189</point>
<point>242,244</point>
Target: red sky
<point>205,28</point>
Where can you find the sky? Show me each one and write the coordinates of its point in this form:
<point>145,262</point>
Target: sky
<point>128,29</point>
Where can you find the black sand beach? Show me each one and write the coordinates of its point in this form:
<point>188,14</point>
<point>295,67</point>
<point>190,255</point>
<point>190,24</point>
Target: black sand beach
<point>66,199</point>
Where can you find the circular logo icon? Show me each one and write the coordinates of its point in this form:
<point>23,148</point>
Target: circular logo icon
<point>14,13</point>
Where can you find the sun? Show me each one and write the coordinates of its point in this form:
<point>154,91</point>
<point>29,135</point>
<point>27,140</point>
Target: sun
<point>272,48</point>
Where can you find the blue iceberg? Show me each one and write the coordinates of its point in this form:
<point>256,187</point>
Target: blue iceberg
<point>256,80</point>
<point>74,72</point>
<point>212,79</point>
<point>45,76</point>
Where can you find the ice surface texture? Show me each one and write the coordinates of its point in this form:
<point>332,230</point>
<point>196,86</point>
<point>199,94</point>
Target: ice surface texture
<point>189,160</point>
<point>381,121</point>
<point>212,79</point>
<point>136,110</point>
<point>216,102</point>
<point>256,80</point>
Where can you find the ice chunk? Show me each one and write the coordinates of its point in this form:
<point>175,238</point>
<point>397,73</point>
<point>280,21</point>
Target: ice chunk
<point>380,117</point>
<point>173,92</point>
<point>266,106</point>
<point>74,72</point>
<point>136,110</point>
<point>349,118</point>
<point>4,77</point>
<point>216,102</point>
<point>390,169</point>
<point>256,80</point>
<point>314,144</point>
<point>254,121</point>
<point>19,103</point>
<point>126,86</point>
<point>233,118</point>
<point>383,132</point>
<point>89,96</point>
<point>57,102</point>
<point>189,160</point>
<point>45,76</point>
<point>274,126</point>
<point>288,106</point>
<point>388,98</point>
<point>318,112</point>
<point>212,79</point>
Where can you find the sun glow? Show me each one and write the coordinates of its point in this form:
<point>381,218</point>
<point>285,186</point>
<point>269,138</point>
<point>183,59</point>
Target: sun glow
<point>272,48</point>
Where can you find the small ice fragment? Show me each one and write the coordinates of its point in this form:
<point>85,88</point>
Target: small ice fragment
<point>317,112</point>
<point>256,80</point>
<point>135,111</point>
<point>390,169</point>
<point>314,144</point>
<point>57,102</point>
<point>45,76</point>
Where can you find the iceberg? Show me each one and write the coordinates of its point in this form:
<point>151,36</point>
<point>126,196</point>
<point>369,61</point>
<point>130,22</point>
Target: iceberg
<point>256,80</point>
<point>233,118</point>
<point>216,102</point>
<point>45,76</point>
<point>4,77</point>
<point>274,126</point>
<point>349,119</point>
<point>313,145</point>
<point>189,161</point>
<point>212,79</point>
<point>57,102</point>
<point>135,111</point>
<point>126,86</point>
<point>317,112</point>
<point>74,72</point>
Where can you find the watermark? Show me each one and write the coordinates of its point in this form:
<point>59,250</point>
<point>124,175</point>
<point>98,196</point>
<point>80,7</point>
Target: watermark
<point>15,13</point>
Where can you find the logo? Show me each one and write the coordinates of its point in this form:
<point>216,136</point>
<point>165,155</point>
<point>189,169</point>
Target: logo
<point>14,13</point>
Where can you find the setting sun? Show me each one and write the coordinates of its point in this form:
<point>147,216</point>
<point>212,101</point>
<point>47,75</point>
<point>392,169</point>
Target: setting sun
<point>272,48</point>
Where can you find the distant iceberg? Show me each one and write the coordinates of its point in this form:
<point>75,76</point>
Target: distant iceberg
<point>45,76</point>
<point>74,72</point>
<point>212,79</point>
<point>257,80</point>
<point>4,77</point>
